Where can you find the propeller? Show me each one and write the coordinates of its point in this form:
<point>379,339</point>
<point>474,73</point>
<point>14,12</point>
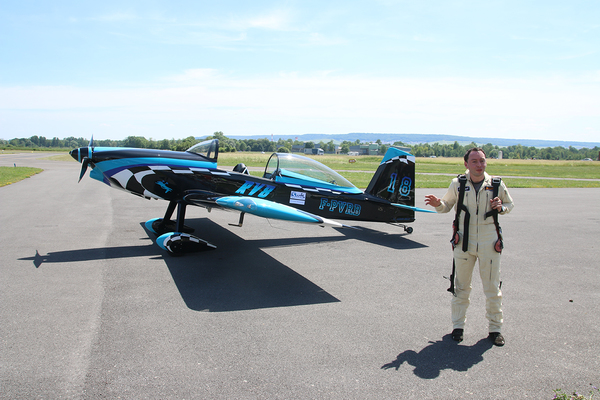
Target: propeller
<point>85,156</point>
<point>84,164</point>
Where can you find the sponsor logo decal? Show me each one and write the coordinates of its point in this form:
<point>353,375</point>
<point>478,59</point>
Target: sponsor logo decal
<point>298,198</point>
<point>262,189</point>
<point>342,207</point>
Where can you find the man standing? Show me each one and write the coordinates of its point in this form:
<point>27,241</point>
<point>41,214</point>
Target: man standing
<point>483,242</point>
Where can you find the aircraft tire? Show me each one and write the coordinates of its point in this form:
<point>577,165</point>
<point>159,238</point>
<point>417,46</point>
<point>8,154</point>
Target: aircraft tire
<point>154,225</point>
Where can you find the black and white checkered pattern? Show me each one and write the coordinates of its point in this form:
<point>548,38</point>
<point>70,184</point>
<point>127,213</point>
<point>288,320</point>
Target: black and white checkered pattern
<point>131,178</point>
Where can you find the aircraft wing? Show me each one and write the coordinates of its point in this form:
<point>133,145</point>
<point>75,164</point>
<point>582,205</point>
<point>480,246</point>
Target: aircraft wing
<point>270,209</point>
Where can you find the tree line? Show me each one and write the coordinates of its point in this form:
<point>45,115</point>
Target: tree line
<point>268,146</point>
<point>518,151</point>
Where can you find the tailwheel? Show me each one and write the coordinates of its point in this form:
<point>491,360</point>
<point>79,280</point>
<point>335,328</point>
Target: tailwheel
<point>407,229</point>
<point>178,244</point>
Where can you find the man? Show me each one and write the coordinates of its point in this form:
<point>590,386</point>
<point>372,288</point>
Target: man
<point>483,242</point>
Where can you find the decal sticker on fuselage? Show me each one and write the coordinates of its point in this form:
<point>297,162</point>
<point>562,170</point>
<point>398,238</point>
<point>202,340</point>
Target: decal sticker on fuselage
<point>298,198</point>
<point>392,184</point>
<point>262,189</point>
<point>165,186</point>
<point>343,207</point>
<point>405,186</point>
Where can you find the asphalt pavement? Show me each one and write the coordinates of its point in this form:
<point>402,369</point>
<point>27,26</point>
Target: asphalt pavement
<point>93,308</point>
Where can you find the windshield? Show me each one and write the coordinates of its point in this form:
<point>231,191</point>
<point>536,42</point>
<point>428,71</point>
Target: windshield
<point>208,149</point>
<point>292,168</point>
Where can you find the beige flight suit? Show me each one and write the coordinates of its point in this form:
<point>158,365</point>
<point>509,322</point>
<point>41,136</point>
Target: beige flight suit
<point>482,237</point>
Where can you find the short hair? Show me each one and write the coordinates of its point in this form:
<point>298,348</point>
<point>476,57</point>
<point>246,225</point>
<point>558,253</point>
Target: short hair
<point>471,150</point>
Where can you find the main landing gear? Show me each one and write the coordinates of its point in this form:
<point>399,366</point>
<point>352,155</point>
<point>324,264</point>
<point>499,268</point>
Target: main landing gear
<point>175,237</point>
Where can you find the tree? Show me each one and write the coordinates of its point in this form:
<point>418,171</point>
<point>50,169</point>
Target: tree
<point>330,147</point>
<point>138,142</point>
<point>185,143</point>
<point>164,145</point>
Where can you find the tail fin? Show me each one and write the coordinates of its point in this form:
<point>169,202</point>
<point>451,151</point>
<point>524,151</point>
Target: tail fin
<point>394,179</point>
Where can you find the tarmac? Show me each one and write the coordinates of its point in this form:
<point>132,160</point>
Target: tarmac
<point>93,308</point>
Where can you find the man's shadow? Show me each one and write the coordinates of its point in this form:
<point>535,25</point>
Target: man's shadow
<point>440,355</point>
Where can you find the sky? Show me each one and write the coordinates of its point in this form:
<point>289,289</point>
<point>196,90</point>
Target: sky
<point>173,69</point>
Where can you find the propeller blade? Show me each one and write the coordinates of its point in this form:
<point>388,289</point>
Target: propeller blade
<point>84,164</point>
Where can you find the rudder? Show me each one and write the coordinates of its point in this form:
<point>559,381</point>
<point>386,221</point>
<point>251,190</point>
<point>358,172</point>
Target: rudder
<point>394,179</point>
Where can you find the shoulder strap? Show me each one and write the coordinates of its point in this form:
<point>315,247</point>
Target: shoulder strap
<point>462,180</point>
<point>499,245</point>
<point>496,181</point>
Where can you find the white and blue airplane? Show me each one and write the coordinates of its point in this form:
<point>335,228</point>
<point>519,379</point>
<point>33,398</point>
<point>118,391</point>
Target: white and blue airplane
<point>292,188</point>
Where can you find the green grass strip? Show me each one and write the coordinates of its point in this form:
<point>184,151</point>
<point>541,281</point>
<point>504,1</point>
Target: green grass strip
<point>10,175</point>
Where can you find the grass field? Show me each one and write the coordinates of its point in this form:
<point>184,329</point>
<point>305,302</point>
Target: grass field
<point>10,175</point>
<point>531,171</point>
<point>430,172</point>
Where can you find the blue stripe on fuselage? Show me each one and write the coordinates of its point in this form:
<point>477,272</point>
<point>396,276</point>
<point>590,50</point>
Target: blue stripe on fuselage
<point>113,166</point>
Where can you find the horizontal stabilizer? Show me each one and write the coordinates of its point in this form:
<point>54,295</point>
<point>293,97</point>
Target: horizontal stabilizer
<point>412,208</point>
<point>270,209</point>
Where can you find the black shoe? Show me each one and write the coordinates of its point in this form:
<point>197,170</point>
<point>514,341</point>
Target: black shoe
<point>496,338</point>
<point>457,335</point>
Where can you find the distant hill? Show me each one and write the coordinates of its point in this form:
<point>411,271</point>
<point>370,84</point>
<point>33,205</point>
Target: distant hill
<point>413,138</point>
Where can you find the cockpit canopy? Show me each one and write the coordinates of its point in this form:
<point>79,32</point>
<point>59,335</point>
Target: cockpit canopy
<point>300,170</point>
<point>208,149</point>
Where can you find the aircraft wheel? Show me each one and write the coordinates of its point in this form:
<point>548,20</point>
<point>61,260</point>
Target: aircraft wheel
<point>176,248</point>
<point>157,226</point>
<point>409,229</point>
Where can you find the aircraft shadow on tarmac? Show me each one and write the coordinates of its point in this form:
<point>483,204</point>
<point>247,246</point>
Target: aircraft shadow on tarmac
<point>101,253</point>
<point>238,275</point>
<point>440,355</point>
<point>396,241</point>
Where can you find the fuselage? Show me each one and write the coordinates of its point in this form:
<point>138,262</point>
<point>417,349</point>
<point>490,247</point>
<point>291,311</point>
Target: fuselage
<point>196,180</point>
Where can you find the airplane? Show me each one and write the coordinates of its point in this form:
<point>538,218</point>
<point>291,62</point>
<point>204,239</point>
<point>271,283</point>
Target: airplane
<point>293,188</point>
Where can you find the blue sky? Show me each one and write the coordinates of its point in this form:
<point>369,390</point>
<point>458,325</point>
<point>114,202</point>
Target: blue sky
<point>172,69</point>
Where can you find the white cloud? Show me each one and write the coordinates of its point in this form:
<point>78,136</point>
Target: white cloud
<point>202,99</point>
<point>194,75</point>
<point>279,20</point>
<point>116,17</point>
<point>274,20</point>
